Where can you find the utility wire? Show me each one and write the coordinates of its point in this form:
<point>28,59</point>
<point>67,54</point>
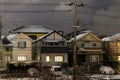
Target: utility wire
<point>30,11</point>
<point>29,4</point>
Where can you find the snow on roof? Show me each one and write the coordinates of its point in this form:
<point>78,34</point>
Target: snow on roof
<point>106,39</point>
<point>32,28</point>
<point>11,36</point>
<point>114,37</point>
<point>78,36</point>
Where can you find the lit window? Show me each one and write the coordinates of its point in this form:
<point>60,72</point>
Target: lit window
<point>22,58</point>
<point>94,58</point>
<point>118,58</point>
<point>21,44</point>
<point>59,59</point>
<point>47,58</point>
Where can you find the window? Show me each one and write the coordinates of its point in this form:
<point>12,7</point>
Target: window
<point>47,58</point>
<point>118,58</point>
<point>59,58</point>
<point>8,57</point>
<point>8,49</point>
<point>22,44</point>
<point>94,58</point>
<point>22,58</point>
<point>33,37</point>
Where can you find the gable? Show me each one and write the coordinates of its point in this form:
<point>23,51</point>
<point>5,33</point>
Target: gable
<point>90,37</point>
<point>54,36</point>
<point>21,37</point>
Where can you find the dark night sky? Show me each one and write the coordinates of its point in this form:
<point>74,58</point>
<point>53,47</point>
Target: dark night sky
<point>102,16</point>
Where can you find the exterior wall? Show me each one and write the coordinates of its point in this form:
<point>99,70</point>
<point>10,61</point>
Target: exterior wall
<point>52,57</point>
<point>22,51</point>
<point>6,54</point>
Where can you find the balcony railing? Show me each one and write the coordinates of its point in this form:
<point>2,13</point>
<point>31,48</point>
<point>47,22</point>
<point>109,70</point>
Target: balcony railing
<point>54,49</point>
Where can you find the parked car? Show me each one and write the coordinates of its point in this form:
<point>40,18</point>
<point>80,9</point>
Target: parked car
<point>106,70</point>
<point>56,70</point>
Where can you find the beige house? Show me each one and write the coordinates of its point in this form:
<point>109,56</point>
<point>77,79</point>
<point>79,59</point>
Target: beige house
<point>22,47</point>
<point>89,49</point>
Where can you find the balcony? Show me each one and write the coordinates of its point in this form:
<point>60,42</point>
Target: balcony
<point>54,49</point>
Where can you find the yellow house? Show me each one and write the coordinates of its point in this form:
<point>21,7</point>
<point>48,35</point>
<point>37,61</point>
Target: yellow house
<point>33,31</point>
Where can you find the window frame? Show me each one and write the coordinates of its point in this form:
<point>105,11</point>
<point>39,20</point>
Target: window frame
<point>22,44</point>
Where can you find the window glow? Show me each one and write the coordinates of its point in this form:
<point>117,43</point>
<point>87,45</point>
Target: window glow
<point>47,58</point>
<point>118,58</point>
<point>59,59</point>
<point>22,58</point>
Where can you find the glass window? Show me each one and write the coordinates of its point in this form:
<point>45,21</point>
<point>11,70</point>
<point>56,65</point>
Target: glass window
<point>94,58</point>
<point>22,58</point>
<point>33,37</point>
<point>8,49</point>
<point>8,58</point>
<point>47,58</point>
<point>118,58</point>
<point>59,59</point>
<point>21,44</point>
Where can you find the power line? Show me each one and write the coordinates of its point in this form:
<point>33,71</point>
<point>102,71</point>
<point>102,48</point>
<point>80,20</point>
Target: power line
<point>31,11</point>
<point>29,4</point>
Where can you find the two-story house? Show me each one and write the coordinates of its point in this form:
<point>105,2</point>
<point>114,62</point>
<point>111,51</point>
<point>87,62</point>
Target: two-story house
<point>51,49</point>
<point>21,47</point>
<point>89,49</point>
<point>111,47</point>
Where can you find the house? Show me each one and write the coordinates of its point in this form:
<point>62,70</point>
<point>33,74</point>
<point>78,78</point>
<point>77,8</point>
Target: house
<point>6,51</point>
<point>33,31</point>
<point>51,49</point>
<point>111,47</point>
<point>89,49</point>
<point>21,47</point>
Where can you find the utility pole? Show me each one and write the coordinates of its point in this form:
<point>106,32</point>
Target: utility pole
<point>1,42</point>
<point>75,5</point>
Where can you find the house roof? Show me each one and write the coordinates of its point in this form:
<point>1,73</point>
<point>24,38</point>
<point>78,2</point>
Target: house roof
<point>116,36</point>
<point>48,35</point>
<point>112,38</point>
<point>32,29</point>
<point>5,41</point>
<point>10,36</point>
<point>80,36</point>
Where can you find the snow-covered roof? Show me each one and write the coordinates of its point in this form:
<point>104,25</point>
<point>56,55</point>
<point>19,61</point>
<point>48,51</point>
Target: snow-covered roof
<point>114,37</point>
<point>32,28</point>
<point>10,36</point>
<point>106,39</point>
<point>78,36</point>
